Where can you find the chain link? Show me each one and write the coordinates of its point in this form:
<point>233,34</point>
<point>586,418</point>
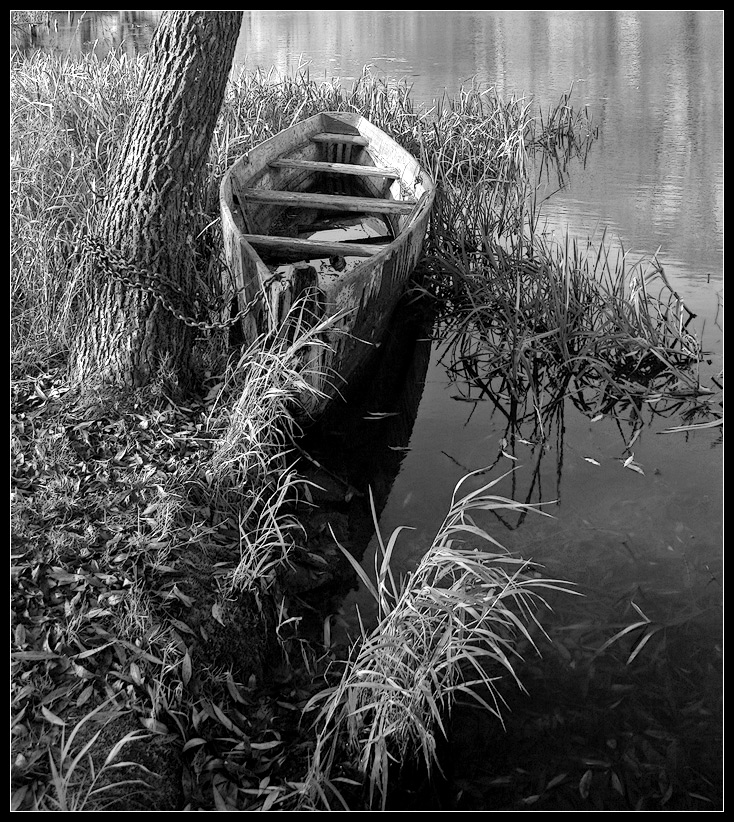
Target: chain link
<point>116,266</point>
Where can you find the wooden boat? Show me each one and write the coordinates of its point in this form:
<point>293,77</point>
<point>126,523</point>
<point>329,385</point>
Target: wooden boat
<point>330,214</point>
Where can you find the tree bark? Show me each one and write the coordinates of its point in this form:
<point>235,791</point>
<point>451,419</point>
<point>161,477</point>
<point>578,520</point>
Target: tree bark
<point>126,334</point>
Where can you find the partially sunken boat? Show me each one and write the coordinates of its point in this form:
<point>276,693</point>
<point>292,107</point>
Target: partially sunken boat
<point>329,215</point>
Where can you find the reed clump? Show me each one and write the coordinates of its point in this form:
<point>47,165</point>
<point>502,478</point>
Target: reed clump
<point>252,475</point>
<point>450,627</point>
<point>609,330</point>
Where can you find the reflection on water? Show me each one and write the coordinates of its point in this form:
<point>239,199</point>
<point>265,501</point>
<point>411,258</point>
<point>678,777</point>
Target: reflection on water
<point>77,32</point>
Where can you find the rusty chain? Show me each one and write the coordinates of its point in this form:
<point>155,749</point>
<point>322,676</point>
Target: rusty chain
<point>116,266</point>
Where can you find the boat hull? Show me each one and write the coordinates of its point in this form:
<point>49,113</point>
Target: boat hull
<point>266,192</point>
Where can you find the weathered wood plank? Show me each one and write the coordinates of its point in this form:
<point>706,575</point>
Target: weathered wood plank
<point>311,248</point>
<point>346,139</point>
<point>302,285</point>
<point>338,168</point>
<point>329,202</point>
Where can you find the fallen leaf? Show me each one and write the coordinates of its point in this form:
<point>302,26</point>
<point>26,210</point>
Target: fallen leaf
<point>182,626</point>
<point>221,805</point>
<point>265,746</point>
<point>234,690</point>
<point>84,695</point>
<point>34,655</point>
<point>187,601</point>
<point>135,673</point>
<point>585,784</point>
<point>18,797</point>
<point>186,668</point>
<point>272,796</point>
<point>51,717</point>
<point>155,726</point>
<point>617,784</point>
<point>556,781</point>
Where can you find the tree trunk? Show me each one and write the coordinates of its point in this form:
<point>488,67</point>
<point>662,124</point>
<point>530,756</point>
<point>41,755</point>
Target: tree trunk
<point>126,333</point>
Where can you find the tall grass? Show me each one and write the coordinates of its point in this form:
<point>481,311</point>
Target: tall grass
<point>67,117</point>
<point>561,135</point>
<point>252,477</point>
<point>450,627</point>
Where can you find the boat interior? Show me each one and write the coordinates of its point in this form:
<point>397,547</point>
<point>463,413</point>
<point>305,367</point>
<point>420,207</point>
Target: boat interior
<point>326,202</point>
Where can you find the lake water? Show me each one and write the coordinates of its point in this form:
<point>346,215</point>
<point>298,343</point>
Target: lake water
<point>653,540</point>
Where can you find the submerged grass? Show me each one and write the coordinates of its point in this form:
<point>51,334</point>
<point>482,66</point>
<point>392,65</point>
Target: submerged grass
<point>610,331</point>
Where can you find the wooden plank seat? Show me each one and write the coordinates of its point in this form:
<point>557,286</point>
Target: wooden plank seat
<point>312,248</point>
<point>338,168</point>
<point>328,202</point>
<point>345,139</point>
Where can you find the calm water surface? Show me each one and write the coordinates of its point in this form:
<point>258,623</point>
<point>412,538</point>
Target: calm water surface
<point>653,82</point>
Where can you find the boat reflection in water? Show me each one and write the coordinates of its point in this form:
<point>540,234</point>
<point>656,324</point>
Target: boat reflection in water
<point>354,453</point>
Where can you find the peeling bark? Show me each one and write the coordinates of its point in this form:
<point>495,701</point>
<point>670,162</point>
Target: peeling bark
<point>125,333</point>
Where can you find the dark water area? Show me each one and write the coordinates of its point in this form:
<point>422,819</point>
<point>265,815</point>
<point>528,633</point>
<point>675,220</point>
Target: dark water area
<point>638,724</point>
